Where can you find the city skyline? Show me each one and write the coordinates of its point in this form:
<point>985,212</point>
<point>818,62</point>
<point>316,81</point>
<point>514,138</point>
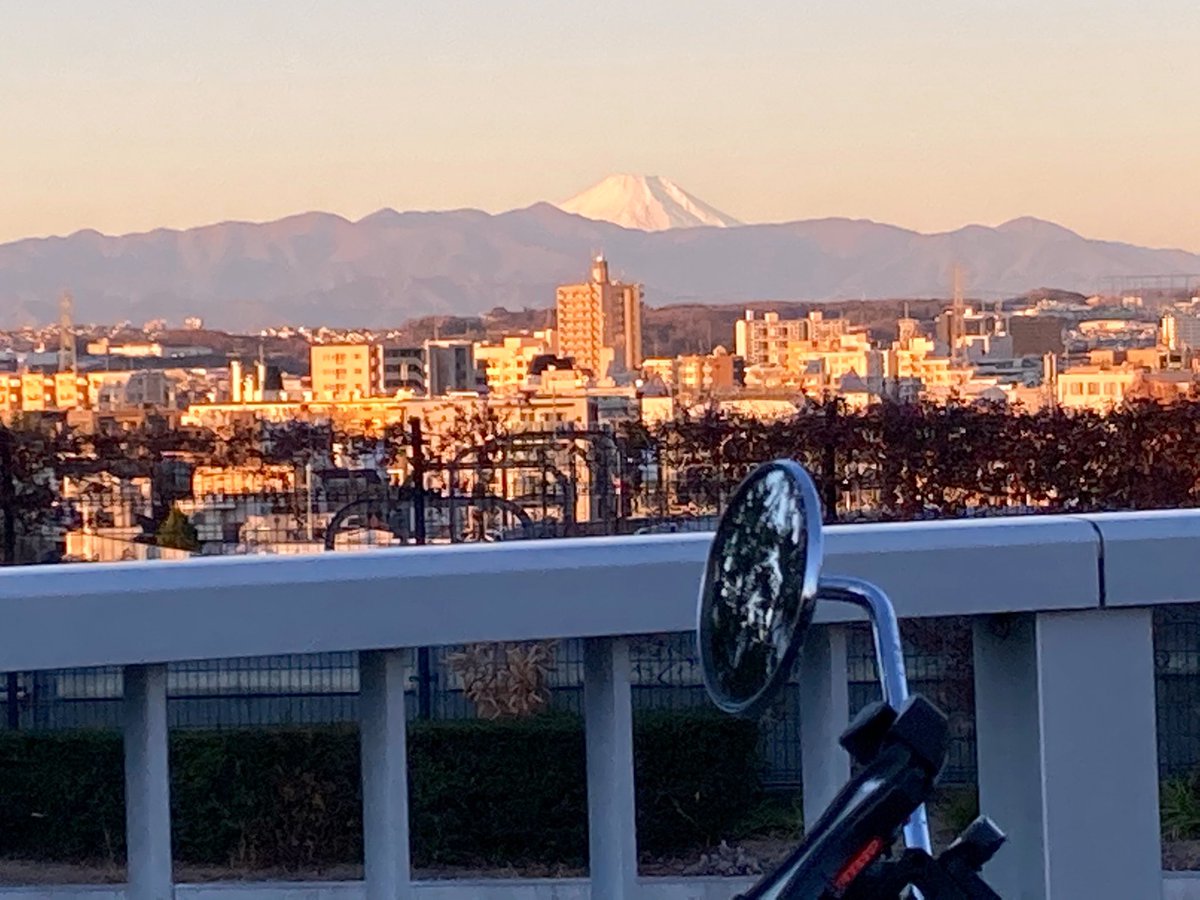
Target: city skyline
<point>168,116</point>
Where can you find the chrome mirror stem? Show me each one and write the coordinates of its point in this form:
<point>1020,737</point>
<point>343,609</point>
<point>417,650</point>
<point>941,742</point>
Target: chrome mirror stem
<point>889,659</point>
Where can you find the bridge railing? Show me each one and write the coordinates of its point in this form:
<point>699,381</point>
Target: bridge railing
<point>1063,654</point>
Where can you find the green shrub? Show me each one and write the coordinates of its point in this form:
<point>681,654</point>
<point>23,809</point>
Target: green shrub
<point>1179,809</point>
<point>696,778</point>
<point>498,791</point>
<point>61,796</point>
<point>480,792</point>
<point>177,532</point>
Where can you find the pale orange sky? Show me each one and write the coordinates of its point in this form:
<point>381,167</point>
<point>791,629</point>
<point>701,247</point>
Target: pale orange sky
<point>930,115</point>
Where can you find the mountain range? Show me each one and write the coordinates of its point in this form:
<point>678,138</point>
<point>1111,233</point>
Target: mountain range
<point>319,268</point>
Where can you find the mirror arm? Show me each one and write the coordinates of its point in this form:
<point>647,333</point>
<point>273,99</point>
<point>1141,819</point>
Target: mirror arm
<point>889,659</point>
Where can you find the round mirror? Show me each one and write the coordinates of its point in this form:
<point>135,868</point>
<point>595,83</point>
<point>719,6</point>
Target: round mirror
<point>760,586</point>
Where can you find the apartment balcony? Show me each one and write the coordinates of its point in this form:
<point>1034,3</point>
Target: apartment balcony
<point>1062,612</point>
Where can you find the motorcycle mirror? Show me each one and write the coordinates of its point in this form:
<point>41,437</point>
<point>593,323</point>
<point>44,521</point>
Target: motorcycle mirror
<point>760,587</point>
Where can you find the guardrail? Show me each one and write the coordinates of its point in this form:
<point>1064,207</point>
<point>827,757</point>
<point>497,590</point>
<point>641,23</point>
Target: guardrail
<point>1064,667</point>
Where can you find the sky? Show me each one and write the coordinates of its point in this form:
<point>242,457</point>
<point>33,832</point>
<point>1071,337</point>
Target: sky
<point>126,116</point>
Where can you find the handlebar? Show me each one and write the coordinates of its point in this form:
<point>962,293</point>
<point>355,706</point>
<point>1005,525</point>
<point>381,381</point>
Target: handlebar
<point>846,854</point>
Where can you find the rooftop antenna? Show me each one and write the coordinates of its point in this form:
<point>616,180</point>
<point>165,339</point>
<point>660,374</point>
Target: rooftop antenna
<point>67,361</point>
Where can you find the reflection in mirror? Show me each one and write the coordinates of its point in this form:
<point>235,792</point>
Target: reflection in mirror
<point>759,586</point>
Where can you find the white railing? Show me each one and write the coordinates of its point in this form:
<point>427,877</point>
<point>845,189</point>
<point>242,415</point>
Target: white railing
<point>1063,659</point>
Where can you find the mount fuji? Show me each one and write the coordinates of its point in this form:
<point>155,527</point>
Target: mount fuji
<point>645,202</point>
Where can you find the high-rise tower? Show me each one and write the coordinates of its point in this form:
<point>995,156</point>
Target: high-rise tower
<point>67,361</point>
<point>600,323</point>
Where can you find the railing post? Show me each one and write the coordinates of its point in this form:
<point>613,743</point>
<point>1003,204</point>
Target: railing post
<point>612,823</point>
<point>12,700</point>
<point>386,868</point>
<point>824,715</point>
<point>1068,757</point>
<point>147,784</point>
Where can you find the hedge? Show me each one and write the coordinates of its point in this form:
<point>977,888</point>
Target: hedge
<point>481,792</point>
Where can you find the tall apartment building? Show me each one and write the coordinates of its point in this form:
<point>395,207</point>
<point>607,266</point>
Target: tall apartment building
<point>342,371</point>
<point>600,324</point>
<point>765,341</point>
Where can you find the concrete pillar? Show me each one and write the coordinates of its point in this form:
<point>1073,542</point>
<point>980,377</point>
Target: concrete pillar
<point>1068,756</point>
<point>387,870</point>
<point>147,784</point>
<point>612,823</point>
<point>824,715</point>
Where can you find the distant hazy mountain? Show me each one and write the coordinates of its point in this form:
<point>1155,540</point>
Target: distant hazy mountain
<point>390,266</point>
<point>646,202</point>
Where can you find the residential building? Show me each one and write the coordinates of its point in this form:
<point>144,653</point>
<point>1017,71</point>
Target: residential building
<point>400,369</point>
<point>208,481</point>
<point>1097,388</point>
<point>342,371</point>
<point>659,368</point>
<point>953,335</point>
<point>1180,331</point>
<point>765,341</point>
<point>254,384</point>
<point>822,331</point>
<point>450,366</point>
<point>144,350</point>
<point>507,364</point>
<point>600,324</point>
<point>770,377</point>
<point>915,360</point>
<point>1165,386</point>
<point>830,359</point>
<point>549,379</point>
<point>705,374</point>
<point>37,392</point>
<point>114,391</point>
<point>102,391</point>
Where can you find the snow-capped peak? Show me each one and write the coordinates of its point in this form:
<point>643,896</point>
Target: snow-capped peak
<point>645,202</point>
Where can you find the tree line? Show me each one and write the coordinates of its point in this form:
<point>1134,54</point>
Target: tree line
<point>891,461</point>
